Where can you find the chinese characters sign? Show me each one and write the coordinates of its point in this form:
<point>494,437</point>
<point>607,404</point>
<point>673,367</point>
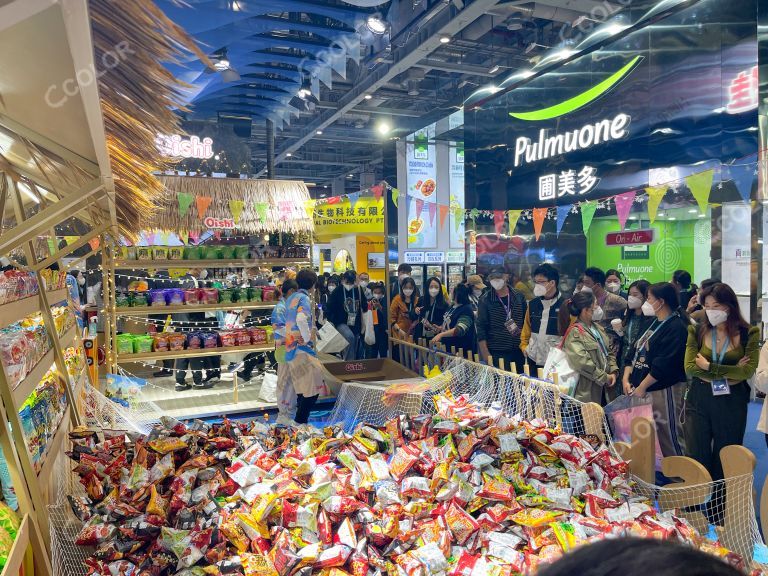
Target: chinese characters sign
<point>365,217</point>
<point>422,189</point>
<point>567,183</point>
<point>743,92</point>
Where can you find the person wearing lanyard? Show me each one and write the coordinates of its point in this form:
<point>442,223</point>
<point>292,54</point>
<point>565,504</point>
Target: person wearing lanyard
<point>402,311</point>
<point>721,354</point>
<point>500,317</point>
<point>658,365</point>
<point>458,331</point>
<point>634,325</point>
<point>346,306</point>
<point>431,310</point>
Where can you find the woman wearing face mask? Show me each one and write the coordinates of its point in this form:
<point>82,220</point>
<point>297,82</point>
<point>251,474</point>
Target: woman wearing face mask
<point>614,283</point>
<point>346,306</point>
<point>476,289</point>
<point>378,307</point>
<point>458,330</point>
<point>402,311</point>
<point>585,344</point>
<point>722,352</point>
<point>633,325</point>
<point>76,284</point>
<point>657,366</point>
<point>431,310</point>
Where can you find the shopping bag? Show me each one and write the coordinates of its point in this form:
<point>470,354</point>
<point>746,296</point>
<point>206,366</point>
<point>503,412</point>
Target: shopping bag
<point>268,391</point>
<point>329,340</point>
<point>557,363</point>
<point>622,411</point>
<point>370,335</point>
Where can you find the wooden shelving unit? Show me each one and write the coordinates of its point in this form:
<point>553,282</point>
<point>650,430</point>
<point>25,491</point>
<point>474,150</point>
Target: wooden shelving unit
<point>195,353</point>
<point>122,263</point>
<point>143,310</point>
<point>12,312</point>
<point>53,448</point>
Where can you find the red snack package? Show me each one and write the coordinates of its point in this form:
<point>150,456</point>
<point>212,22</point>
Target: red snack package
<point>333,556</point>
<point>258,335</point>
<point>358,563</point>
<point>401,462</point>
<point>160,342</point>
<point>467,446</point>
<point>461,524</point>
<point>208,296</point>
<point>192,296</point>
<point>93,534</point>
<point>243,337</point>
<point>228,338</point>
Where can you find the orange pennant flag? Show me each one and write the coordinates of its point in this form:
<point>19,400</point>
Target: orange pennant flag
<point>202,203</point>
<point>539,215</point>
<point>444,209</point>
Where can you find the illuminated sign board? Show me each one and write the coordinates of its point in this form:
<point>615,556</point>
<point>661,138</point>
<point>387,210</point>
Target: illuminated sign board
<point>178,147</point>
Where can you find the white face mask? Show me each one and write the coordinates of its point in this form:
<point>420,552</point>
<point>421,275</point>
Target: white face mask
<point>81,280</point>
<point>477,292</point>
<point>402,277</point>
<point>586,289</point>
<point>598,314</point>
<point>363,283</point>
<point>378,296</point>
<point>634,302</point>
<point>539,290</point>
<point>348,286</point>
<point>203,274</point>
<point>498,283</point>
<point>331,288</point>
<point>648,309</point>
<point>717,317</point>
<point>613,287</point>
<point>407,291</point>
<point>434,292</point>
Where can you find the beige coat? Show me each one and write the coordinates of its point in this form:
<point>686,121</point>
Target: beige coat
<point>585,357</point>
<point>761,383</point>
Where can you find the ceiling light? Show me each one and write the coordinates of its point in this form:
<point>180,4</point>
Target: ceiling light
<point>532,46</point>
<point>376,24</point>
<point>319,132</point>
<point>325,185</point>
<point>495,68</point>
<point>221,65</point>
<point>671,218</point>
<point>304,93</point>
<point>692,211</point>
<point>383,128</point>
<point>367,96</point>
<point>288,154</point>
<point>445,39</point>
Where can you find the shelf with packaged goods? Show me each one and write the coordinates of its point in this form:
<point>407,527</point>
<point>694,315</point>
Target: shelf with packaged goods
<point>13,564</point>
<point>194,353</point>
<point>17,310</point>
<point>33,378</point>
<point>228,263</point>
<point>174,309</point>
<point>53,448</point>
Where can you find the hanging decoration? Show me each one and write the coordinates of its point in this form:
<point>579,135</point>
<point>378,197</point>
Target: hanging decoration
<point>444,209</point>
<point>432,208</point>
<point>655,196</point>
<point>473,214</point>
<point>353,197</point>
<point>700,185</point>
<point>285,209</point>
<point>217,234</point>
<point>395,196</point>
<point>624,206</point>
<point>513,216</point>
<point>539,215</point>
<point>309,208</point>
<point>562,214</point>
<point>202,203</point>
<point>261,211</point>
<point>236,207</point>
<point>184,237</point>
<point>194,237</point>
<point>587,213</point>
<point>185,201</point>
<point>743,176</point>
<point>377,191</point>
<point>419,207</point>
<point>498,221</point>
<point>458,218</point>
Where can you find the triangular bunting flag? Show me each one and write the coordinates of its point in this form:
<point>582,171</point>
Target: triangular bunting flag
<point>539,214</point>
<point>150,238</point>
<point>473,214</point>
<point>701,185</point>
<point>202,203</point>
<point>333,200</point>
<point>432,208</point>
<point>185,201</point>
<point>309,208</point>
<point>395,196</point>
<point>51,246</point>
<point>513,216</point>
<point>498,221</point>
<point>655,195</point>
<point>261,211</point>
<point>410,208</point>
<point>419,207</point>
<point>444,209</point>
<point>587,213</point>
<point>217,234</point>
<point>562,214</point>
<point>743,176</point>
<point>236,207</point>
<point>353,198</point>
<point>183,236</point>
<point>377,191</point>
<point>285,209</point>
<point>194,237</point>
<point>624,206</point>
<point>458,217</point>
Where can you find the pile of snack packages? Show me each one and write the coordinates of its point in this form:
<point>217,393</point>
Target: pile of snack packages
<point>194,340</point>
<point>9,528</point>
<point>18,284</point>
<point>467,492</point>
<point>193,296</point>
<point>23,345</point>
<point>212,252</point>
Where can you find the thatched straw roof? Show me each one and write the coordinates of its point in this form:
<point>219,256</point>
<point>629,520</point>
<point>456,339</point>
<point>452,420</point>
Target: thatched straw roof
<point>222,191</point>
<point>138,98</point>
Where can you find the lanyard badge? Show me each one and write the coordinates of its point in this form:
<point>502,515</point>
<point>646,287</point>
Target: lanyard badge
<point>720,386</point>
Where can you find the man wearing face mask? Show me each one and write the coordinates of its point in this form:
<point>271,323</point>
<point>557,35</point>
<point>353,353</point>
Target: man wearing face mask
<point>609,307</point>
<point>500,319</point>
<point>477,287</point>
<point>403,272</point>
<point>540,330</point>
<point>346,306</point>
<point>363,280</point>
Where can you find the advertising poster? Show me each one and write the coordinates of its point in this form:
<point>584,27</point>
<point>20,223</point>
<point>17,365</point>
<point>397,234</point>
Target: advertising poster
<point>422,189</point>
<point>341,218</point>
<point>456,221</point>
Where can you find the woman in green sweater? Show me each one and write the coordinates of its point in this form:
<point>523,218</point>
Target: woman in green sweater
<point>722,352</point>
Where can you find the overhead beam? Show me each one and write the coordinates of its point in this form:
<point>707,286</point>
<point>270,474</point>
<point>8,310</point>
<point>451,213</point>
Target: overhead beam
<point>458,67</point>
<point>68,249</point>
<point>443,19</point>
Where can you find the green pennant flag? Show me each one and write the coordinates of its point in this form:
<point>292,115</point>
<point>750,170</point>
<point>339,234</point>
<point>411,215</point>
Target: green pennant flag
<point>513,216</point>
<point>473,214</point>
<point>458,217</point>
<point>185,201</point>
<point>587,213</point>
<point>395,196</point>
<point>701,185</point>
<point>261,211</point>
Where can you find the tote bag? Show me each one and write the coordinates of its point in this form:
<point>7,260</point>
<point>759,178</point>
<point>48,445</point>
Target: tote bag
<point>622,411</point>
<point>329,340</point>
<point>557,363</point>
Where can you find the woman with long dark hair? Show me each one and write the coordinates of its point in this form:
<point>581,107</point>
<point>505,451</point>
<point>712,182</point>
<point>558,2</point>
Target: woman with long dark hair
<point>458,329</point>
<point>657,366</point>
<point>634,324</point>
<point>722,352</point>
<point>586,345</point>
<point>402,311</point>
<point>431,310</point>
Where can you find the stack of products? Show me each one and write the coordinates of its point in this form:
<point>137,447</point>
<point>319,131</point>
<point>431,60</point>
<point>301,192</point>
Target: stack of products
<point>22,345</point>
<point>193,340</point>
<point>470,491</point>
<point>192,296</point>
<point>16,284</point>
<point>9,528</point>
<point>41,414</point>
<point>213,252</point>
<point>54,279</point>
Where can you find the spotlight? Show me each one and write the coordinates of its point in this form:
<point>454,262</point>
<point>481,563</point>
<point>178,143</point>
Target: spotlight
<point>376,25</point>
<point>495,68</point>
<point>319,132</point>
<point>445,39</point>
<point>383,128</point>
<point>367,96</point>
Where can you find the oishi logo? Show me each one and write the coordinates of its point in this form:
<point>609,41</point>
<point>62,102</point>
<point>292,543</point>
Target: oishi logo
<point>219,223</point>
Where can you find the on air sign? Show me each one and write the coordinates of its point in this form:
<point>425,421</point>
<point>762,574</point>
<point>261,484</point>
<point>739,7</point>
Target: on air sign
<point>219,223</point>
<point>629,237</point>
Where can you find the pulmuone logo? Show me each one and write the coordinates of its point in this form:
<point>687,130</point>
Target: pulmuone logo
<point>527,151</point>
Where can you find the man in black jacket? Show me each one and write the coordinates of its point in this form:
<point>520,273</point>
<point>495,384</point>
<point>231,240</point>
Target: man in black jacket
<point>346,306</point>
<point>500,317</point>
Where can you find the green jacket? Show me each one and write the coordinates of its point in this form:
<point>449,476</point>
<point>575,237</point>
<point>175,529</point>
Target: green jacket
<point>586,358</point>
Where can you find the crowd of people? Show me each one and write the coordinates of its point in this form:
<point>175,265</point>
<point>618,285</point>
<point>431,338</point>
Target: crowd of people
<point>685,347</point>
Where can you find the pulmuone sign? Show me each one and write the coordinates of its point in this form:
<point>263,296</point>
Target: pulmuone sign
<point>527,151</point>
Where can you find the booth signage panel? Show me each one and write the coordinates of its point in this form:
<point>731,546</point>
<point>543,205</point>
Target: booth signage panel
<point>434,257</point>
<point>414,257</point>
<point>340,218</point>
<point>629,237</point>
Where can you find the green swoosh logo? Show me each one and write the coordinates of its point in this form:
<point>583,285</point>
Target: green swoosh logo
<point>573,104</point>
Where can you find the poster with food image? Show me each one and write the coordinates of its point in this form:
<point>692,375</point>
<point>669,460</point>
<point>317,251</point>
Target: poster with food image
<point>422,187</point>
<point>456,212</point>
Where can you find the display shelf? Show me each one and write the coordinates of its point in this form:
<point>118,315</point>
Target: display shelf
<point>53,448</point>
<point>194,353</point>
<point>227,263</point>
<point>26,386</point>
<point>17,310</point>
<point>18,551</point>
<point>142,310</point>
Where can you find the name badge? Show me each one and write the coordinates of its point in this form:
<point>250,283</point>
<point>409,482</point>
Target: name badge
<point>511,327</point>
<point>720,388</point>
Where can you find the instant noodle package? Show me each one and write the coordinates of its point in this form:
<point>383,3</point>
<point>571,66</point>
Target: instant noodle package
<point>466,492</point>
